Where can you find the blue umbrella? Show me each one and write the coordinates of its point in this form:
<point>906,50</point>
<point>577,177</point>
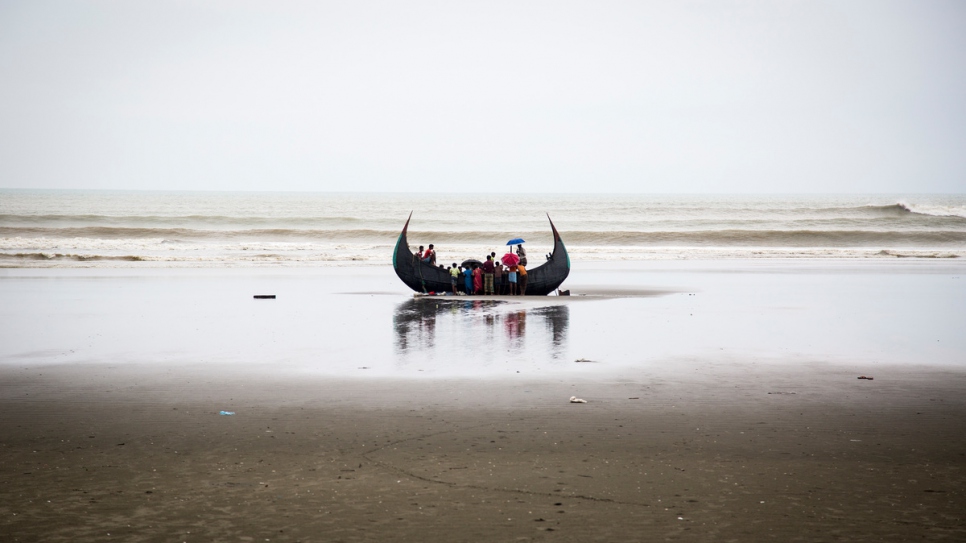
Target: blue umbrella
<point>515,241</point>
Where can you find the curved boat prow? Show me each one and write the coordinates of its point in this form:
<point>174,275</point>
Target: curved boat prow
<point>558,241</point>
<point>402,257</point>
<point>406,226</point>
<point>545,278</point>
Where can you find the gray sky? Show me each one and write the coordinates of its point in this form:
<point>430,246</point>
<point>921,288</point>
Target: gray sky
<point>718,96</point>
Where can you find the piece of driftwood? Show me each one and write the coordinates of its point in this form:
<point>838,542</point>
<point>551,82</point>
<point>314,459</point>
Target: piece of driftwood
<point>264,296</point>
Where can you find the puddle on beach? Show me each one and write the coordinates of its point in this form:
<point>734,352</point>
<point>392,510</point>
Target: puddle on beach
<point>496,332</point>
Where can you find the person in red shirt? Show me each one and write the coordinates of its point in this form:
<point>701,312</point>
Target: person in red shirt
<point>477,279</point>
<point>429,256</point>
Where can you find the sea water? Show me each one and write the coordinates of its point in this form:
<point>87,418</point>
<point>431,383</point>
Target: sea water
<point>230,229</point>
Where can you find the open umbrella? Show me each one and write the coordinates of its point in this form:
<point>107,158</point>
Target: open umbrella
<point>470,261</point>
<point>510,259</point>
<point>515,241</point>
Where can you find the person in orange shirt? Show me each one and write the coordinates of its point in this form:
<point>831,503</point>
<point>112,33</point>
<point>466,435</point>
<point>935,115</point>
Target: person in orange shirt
<point>522,279</point>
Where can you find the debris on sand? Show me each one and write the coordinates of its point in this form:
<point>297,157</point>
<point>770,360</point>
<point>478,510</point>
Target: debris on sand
<point>585,361</point>
<point>574,399</point>
<point>864,377</point>
<point>226,413</point>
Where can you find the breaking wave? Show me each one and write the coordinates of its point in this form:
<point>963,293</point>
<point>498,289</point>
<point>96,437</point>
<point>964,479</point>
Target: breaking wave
<point>207,220</point>
<point>902,208</point>
<point>169,234</point>
<point>723,237</point>
<point>46,257</point>
<point>771,238</point>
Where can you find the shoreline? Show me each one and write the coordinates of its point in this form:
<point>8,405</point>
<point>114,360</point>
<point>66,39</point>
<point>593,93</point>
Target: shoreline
<point>630,255</point>
<point>809,261</point>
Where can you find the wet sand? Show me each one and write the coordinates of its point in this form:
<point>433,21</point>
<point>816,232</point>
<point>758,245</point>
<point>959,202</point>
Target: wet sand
<point>811,454</point>
<point>121,438</point>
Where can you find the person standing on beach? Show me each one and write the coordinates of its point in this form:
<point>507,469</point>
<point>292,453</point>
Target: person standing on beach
<point>497,277</point>
<point>477,279</point>
<point>512,280</point>
<point>521,252</point>
<point>488,271</point>
<point>454,273</point>
<point>468,279</point>
<point>522,280</point>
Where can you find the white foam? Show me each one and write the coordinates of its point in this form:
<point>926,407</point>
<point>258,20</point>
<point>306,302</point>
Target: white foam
<point>934,210</point>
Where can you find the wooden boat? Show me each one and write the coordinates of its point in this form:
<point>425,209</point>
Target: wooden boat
<point>421,277</point>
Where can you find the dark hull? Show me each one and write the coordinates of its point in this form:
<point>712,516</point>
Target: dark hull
<point>422,277</point>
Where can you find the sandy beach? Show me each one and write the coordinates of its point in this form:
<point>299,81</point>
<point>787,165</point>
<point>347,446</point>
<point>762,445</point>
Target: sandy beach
<point>723,404</point>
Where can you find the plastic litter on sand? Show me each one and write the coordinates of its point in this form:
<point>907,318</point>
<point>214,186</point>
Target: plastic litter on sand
<point>226,413</point>
<point>574,399</point>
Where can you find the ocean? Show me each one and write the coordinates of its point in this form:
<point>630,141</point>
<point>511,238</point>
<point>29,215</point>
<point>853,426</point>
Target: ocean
<point>51,228</point>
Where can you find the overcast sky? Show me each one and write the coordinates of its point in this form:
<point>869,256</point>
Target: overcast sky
<point>718,96</point>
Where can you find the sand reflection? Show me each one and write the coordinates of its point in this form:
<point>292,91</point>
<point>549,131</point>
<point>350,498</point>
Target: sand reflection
<point>486,330</point>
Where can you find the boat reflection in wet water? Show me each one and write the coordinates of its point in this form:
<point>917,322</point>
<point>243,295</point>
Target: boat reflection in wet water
<point>486,332</point>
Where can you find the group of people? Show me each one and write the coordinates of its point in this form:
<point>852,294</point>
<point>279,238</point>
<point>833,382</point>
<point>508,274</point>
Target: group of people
<point>491,277</point>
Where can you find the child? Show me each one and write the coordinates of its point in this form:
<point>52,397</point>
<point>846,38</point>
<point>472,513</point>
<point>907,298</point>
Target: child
<point>512,280</point>
<point>454,273</point>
